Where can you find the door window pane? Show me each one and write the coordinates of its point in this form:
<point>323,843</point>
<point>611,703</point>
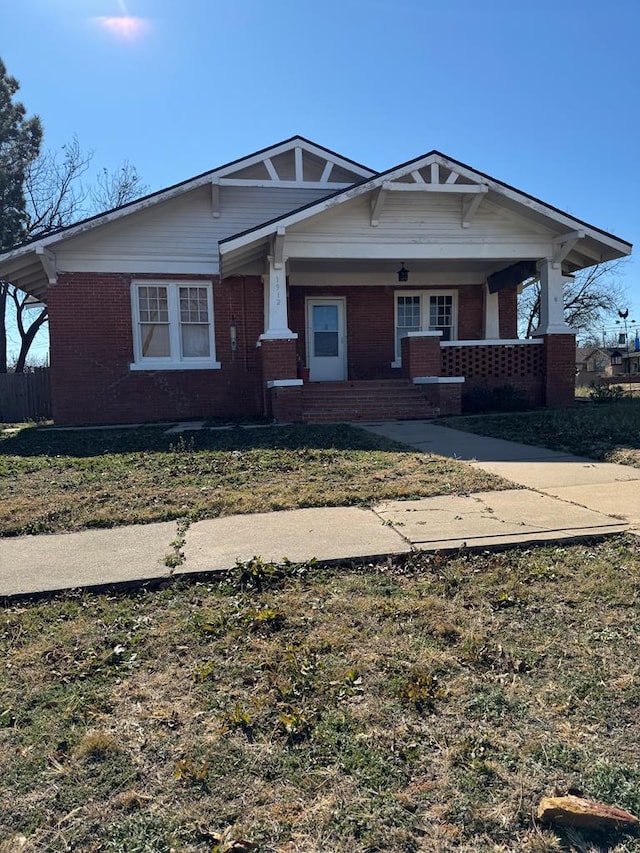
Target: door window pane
<point>325,318</point>
<point>325,331</point>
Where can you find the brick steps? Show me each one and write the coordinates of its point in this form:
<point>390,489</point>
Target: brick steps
<point>392,399</point>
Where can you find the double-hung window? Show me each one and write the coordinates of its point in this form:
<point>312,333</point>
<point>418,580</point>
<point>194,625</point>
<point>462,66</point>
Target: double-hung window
<point>173,325</point>
<point>421,311</point>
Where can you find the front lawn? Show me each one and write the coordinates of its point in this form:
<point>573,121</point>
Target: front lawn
<point>606,431</point>
<point>421,705</point>
<point>52,481</point>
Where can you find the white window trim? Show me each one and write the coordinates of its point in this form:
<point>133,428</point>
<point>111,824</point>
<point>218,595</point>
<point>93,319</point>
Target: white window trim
<point>424,319</point>
<point>171,362</point>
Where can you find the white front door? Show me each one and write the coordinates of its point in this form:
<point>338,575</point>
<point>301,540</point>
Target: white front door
<point>326,340</point>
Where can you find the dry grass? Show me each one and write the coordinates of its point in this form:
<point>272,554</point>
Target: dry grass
<point>423,705</point>
<point>57,481</point>
<point>608,431</point>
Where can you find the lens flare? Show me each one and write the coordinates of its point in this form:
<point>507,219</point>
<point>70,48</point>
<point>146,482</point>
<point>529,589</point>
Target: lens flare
<point>123,26</point>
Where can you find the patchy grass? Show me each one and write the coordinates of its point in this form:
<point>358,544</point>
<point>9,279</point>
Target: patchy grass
<point>423,705</point>
<point>53,481</point>
<point>607,431</point>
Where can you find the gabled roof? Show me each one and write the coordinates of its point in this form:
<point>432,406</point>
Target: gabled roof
<point>590,244</point>
<point>234,167</point>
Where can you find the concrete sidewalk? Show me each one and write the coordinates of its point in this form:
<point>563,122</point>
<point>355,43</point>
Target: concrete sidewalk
<point>567,499</point>
<point>600,486</point>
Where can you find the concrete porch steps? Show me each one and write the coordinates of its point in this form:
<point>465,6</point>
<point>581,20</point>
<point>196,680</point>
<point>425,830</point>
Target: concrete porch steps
<point>391,399</point>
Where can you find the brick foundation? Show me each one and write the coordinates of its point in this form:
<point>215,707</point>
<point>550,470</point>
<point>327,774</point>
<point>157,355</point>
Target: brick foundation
<point>285,404</point>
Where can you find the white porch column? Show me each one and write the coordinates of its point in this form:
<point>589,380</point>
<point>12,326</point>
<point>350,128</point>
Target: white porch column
<point>276,315</point>
<point>551,302</point>
<point>491,315</point>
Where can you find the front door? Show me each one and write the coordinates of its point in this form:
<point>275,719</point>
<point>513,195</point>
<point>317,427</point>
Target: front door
<point>326,344</point>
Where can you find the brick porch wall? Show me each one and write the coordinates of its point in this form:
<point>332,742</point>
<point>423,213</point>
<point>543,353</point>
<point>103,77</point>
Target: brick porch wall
<point>521,366</point>
<point>92,347</point>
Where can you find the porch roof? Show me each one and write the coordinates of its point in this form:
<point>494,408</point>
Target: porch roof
<point>570,241</point>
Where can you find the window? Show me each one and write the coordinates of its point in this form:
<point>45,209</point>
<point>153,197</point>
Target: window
<point>424,311</point>
<point>172,325</point>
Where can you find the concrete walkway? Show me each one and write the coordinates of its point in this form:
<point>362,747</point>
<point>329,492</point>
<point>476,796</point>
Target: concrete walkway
<point>600,486</point>
<point>565,498</point>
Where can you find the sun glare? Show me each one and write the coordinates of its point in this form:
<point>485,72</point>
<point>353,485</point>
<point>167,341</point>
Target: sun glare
<point>123,26</point>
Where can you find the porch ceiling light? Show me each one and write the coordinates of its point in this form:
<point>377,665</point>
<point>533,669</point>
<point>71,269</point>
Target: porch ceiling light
<point>403,273</point>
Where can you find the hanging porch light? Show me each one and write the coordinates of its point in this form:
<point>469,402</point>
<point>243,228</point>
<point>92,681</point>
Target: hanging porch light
<point>403,273</point>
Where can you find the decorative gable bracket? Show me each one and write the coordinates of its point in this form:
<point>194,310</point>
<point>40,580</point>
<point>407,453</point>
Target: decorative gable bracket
<point>471,194</point>
<point>277,249</point>
<point>48,261</point>
<point>563,245</point>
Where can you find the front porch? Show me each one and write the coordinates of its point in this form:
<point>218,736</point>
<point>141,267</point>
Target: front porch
<point>411,279</point>
<point>436,377</point>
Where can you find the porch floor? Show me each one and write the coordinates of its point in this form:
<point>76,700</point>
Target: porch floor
<point>381,400</point>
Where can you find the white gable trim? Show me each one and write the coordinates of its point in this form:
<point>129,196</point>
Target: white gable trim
<point>296,142</point>
<point>386,181</point>
<point>215,177</point>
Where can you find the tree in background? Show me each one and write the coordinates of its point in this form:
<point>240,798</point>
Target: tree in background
<point>40,193</point>
<point>594,295</point>
<point>20,139</point>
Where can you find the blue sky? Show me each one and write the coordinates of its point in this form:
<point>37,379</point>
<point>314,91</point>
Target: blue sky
<point>542,95</point>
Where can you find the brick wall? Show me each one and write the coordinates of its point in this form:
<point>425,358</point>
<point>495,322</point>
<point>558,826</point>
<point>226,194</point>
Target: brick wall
<point>421,356</point>
<point>92,346</point>
<point>371,324</point>
<point>560,376</point>
<point>285,404</point>
<point>279,359</point>
<point>471,313</point>
<point>508,306</point>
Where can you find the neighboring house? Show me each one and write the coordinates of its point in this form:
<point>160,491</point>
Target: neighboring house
<point>631,363</point>
<point>594,363</point>
<point>298,283</point>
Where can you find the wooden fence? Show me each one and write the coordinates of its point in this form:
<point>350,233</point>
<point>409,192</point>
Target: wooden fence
<point>25,396</point>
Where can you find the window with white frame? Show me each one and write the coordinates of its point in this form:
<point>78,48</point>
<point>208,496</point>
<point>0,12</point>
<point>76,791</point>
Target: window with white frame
<point>173,325</point>
<point>422,311</point>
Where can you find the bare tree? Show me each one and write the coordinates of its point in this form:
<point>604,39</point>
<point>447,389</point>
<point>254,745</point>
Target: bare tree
<point>113,189</point>
<point>56,197</point>
<point>593,295</point>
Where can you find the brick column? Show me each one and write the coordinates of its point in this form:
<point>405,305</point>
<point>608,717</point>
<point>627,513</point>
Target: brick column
<point>421,354</point>
<point>279,358</point>
<point>560,370</point>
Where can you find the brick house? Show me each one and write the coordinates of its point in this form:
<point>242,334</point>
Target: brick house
<point>297,283</point>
